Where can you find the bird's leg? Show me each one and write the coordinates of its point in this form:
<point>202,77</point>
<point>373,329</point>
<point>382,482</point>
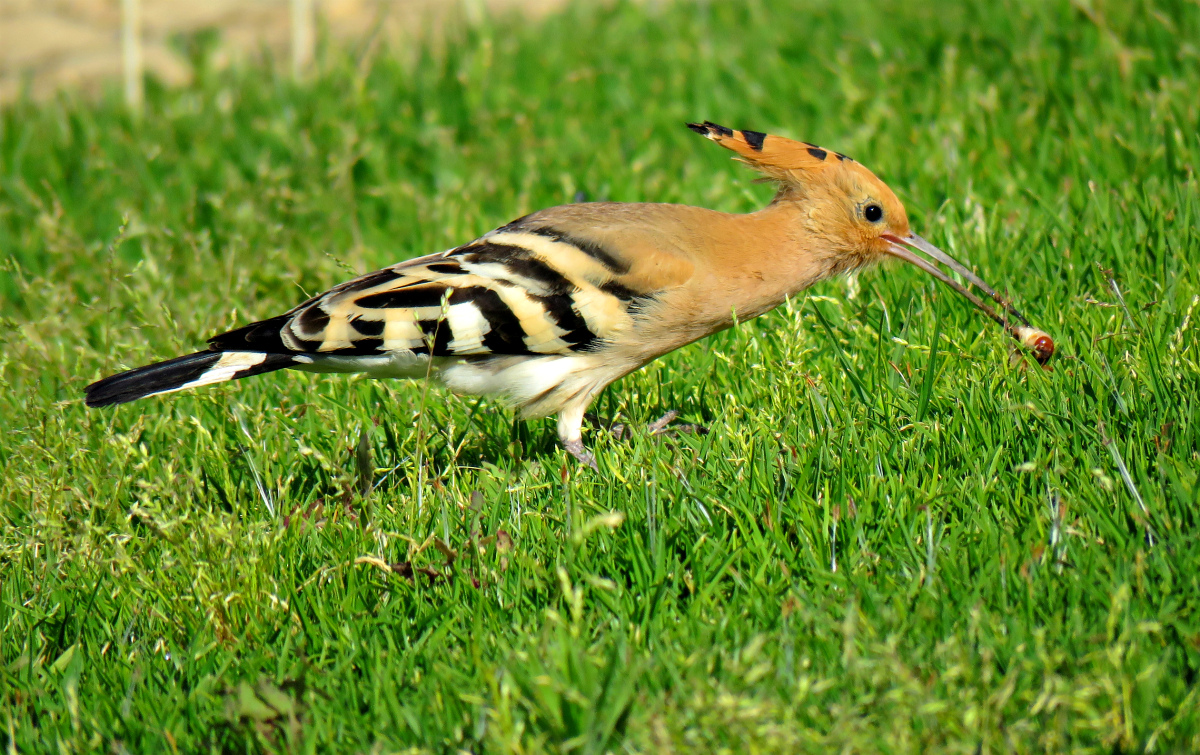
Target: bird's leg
<point>570,433</point>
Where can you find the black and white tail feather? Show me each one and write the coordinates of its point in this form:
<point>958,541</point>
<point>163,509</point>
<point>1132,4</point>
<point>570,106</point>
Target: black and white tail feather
<point>190,371</point>
<point>230,356</point>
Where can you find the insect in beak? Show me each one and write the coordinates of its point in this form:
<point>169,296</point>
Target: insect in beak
<point>907,248</point>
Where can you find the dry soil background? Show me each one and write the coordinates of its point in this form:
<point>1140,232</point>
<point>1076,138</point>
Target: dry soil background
<point>49,44</point>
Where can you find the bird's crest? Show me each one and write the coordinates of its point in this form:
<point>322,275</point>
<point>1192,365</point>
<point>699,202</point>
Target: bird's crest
<point>788,162</point>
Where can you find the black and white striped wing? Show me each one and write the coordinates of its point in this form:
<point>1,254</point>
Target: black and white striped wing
<point>515,291</point>
<point>540,286</point>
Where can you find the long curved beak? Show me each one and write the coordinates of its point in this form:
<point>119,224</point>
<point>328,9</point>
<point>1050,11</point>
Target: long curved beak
<point>908,248</point>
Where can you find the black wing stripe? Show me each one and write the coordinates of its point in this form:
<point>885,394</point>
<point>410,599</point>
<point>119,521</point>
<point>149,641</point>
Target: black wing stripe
<point>365,327</point>
<point>439,334</point>
<point>505,334</point>
<point>534,269</point>
<point>520,262</point>
<point>623,293</point>
<point>513,225</point>
<point>409,297</point>
<point>561,308</point>
<point>590,248</point>
<point>310,323</point>
<point>490,251</point>
<point>370,280</point>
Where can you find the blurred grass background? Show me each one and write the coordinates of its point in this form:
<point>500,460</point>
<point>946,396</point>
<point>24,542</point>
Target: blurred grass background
<point>50,45</point>
<point>894,538</point>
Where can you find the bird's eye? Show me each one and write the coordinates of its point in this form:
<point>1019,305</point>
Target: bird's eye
<point>873,213</point>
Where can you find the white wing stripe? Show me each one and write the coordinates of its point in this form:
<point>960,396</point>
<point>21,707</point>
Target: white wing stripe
<point>468,326</point>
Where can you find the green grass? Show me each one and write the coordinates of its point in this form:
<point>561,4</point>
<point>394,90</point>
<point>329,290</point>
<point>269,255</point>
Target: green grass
<point>1016,550</point>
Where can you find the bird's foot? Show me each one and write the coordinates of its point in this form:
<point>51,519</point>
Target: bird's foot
<point>661,426</point>
<point>576,449</point>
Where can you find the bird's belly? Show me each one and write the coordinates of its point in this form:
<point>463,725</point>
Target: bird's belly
<point>537,385</point>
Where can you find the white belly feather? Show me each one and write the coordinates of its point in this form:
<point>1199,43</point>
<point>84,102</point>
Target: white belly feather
<point>537,385</point>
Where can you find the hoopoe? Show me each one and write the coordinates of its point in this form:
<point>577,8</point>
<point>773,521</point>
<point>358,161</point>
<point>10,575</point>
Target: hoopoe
<point>548,310</point>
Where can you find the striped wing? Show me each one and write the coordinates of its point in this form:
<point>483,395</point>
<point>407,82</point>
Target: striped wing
<point>522,289</point>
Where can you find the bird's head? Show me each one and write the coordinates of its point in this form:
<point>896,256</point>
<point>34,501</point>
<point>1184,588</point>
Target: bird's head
<point>858,217</point>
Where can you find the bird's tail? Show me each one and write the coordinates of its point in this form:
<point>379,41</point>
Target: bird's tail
<point>191,371</point>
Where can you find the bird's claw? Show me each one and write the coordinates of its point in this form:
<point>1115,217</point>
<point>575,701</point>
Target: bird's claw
<point>576,449</point>
<point>661,426</point>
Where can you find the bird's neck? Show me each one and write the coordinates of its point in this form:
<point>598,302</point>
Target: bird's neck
<point>744,265</point>
<point>769,255</point>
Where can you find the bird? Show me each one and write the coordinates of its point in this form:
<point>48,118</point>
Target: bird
<point>546,311</point>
